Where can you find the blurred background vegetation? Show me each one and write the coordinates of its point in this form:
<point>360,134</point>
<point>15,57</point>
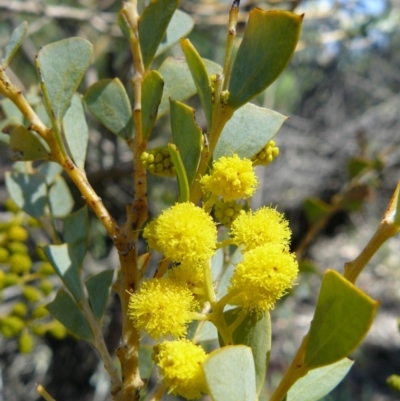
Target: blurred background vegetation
<point>341,94</point>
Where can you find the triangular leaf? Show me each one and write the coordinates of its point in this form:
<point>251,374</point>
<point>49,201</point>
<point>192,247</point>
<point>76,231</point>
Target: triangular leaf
<point>248,131</point>
<point>187,136</point>
<point>184,191</point>
<point>98,287</point>
<point>62,66</point>
<point>76,131</point>
<point>28,191</point>
<point>319,382</point>
<point>230,374</point>
<point>152,88</point>
<point>64,309</point>
<point>255,332</point>
<point>178,82</point>
<point>108,102</point>
<point>61,201</point>
<point>63,259</point>
<point>267,47</point>
<point>200,77</point>
<point>342,318</point>
<point>17,38</point>
<point>153,23</point>
<point>24,144</point>
<point>180,25</point>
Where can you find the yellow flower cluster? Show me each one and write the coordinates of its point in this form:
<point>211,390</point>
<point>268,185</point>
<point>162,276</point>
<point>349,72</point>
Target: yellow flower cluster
<point>267,270</point>
<point>183,233</point>
<point>230,178</point>
<point>227,212</point>
<point>162,308</point>
<point>181,363</point>
<point>263,276</point>
<point>253,229</point>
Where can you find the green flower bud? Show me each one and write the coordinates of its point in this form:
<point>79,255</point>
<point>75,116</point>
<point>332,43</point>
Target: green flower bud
<point>10,279</point>
<point>11,206</point>
<point>40,312</point>
<point>25,343</point>
<point>34,223</point>
<point>226,212</point>
<point>158,162</point>
<point>40,253</point>
<point>2,274</point>
<point>11,326</point>
<point>46,269</point>
<point>19,309</point>
<point>19,263</point>
<point>46,286</point>
<point>17,233</point>
<point>31,294</point>
<point>58,330</point>
<point>39,329</point>
<point>17,247</point>
<point>4,254</point>
<point>393,381</point>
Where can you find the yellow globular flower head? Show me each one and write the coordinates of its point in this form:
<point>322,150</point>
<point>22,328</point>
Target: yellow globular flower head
<point>162,308</point>
<point>231,178</point>
<point>19,263</point>
<point>184,233</point>
<point>181,363</point>
<point>253,229</point>
<point>189,276</point>
<point>263,276</point>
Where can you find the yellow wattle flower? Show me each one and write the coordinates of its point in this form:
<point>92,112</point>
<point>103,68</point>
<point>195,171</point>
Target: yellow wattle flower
<point>183,233</point>
<point>180,363</point>
<point>231,178</point>
<point>252,229</point>
<point>263,276</point>
<point>162,308</point>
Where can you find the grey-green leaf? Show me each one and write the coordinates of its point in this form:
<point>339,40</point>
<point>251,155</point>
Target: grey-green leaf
<point>49,171</point>
<point>267,47</point>
<point>319,382</point>
<point>184,191</point>
<point>76,232</point>
<point>108,101</point>
<point>98,287</point>
<point>24,144</point>
<point>248,131</point>
<point>28,191</point>
<point>180,25</point>
<point>17,38</point>
<point>255,332</point>
<point>230,374</point>
<point>62,66</point>
<point>178,81</point>
<point>76,131</point>
<point>187,136</point>
<point>64,309</point>
<point>200,77</point>
<point>63,259</point>
<point>152,88</point>
<point>60,199</point>
<point>153,24</point>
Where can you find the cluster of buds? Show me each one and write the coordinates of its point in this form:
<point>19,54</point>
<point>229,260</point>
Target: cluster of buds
<point>158,162</point>
<point>266,155</point>
<point>33,275</point>
<point>226,212</point>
